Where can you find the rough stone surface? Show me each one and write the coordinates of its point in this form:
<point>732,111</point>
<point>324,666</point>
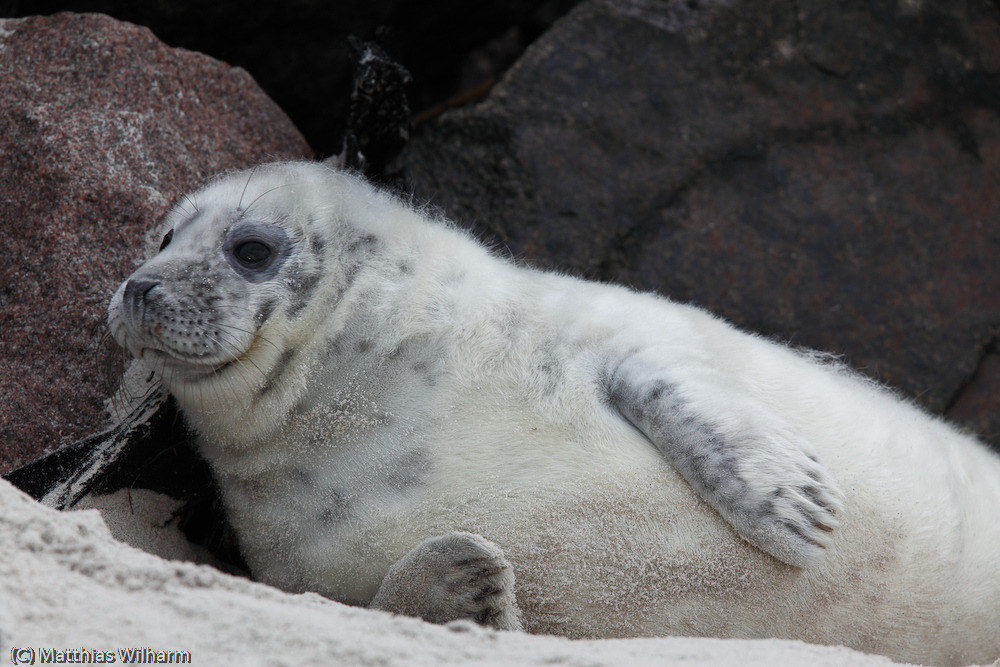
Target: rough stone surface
<point>976,404</point>
<point>298,51</point>
<point>825,173</point>
<point>101,128</point>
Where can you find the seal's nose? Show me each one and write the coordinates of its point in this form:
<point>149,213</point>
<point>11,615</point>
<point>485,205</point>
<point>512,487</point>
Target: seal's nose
<point>134,299</point>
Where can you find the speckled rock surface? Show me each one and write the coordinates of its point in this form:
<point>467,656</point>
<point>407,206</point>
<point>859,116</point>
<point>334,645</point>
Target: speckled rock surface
<point>298,52</point>
<point>827,173</point>
<point>101,127</point>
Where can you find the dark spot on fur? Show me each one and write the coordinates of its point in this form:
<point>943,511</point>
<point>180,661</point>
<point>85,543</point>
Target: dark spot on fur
<point>408,471</point>
<point>551,370</point>
<point>655,392</point>
<point>301,477</point>
<point>350,273</point>
<point>795,530</point>
<point>512,325</point>
<point>812,493</point>
<point>302,295</point>
<point>363,346</point>
<point>366,243</point>
<point>213,299</point>
<point>334,348</point>
<point>423,370</point>
<point>399,350</point>
<point>265,311</point>
<point>335,508</point>
<point>317,245</point>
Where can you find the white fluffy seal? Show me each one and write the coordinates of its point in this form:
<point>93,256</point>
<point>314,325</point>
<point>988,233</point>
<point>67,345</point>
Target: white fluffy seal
<point>373,388</point>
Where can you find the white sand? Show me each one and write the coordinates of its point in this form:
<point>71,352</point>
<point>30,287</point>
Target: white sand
<point>65,583</point>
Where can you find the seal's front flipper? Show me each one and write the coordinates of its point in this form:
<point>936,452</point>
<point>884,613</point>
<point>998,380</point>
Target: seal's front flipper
<point>458,576</point>
<point>745,461</point>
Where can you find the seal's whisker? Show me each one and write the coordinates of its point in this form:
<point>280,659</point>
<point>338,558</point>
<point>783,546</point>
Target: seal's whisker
<point>239,206</point>
<point>194,204</point>
<point>111,363</point>
<point>267,192</point>
<point>243,363</point>
<point>151,389</point>
<point>235,396</point>
<point>249,333</point>
<point>187,202</point>
<point>122,393</point>
<point>226,341</point>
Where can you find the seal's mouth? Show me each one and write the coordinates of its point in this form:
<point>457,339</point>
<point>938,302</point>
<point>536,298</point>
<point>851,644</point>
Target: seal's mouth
<point>170,363</point>
<point>192,368</point>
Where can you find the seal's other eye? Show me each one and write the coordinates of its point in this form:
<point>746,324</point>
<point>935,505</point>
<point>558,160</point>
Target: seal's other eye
<point>167,238</point>
<point>252,254</point>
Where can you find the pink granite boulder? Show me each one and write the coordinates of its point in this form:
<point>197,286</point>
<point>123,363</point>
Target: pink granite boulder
<point>101,127</point>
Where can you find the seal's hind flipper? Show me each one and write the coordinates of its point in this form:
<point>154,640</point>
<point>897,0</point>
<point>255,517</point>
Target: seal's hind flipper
<point>458,576</point>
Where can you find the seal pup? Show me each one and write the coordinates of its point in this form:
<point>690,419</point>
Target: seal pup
<point>366,380</point>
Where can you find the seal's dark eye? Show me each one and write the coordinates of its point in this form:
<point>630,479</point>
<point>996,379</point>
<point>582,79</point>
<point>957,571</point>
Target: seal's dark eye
<point>252,253</point>
<point>166,240</point>
<point>256,250</point>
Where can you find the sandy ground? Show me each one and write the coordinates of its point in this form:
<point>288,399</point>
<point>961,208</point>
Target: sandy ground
<point>66,583</point>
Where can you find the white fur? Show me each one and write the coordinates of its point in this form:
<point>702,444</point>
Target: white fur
<point>436,388</point>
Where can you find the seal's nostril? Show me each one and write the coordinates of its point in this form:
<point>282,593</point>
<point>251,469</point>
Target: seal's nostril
<point>136,290</point>
<point>135,297</point>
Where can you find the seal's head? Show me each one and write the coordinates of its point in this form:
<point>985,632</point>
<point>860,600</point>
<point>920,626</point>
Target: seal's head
<point>220,311</point>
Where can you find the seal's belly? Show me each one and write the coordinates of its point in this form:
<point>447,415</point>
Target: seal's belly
<point>332,520</point>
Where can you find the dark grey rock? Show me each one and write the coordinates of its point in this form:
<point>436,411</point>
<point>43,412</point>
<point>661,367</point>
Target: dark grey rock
<point>825,173</point>
<point>976,403</point>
